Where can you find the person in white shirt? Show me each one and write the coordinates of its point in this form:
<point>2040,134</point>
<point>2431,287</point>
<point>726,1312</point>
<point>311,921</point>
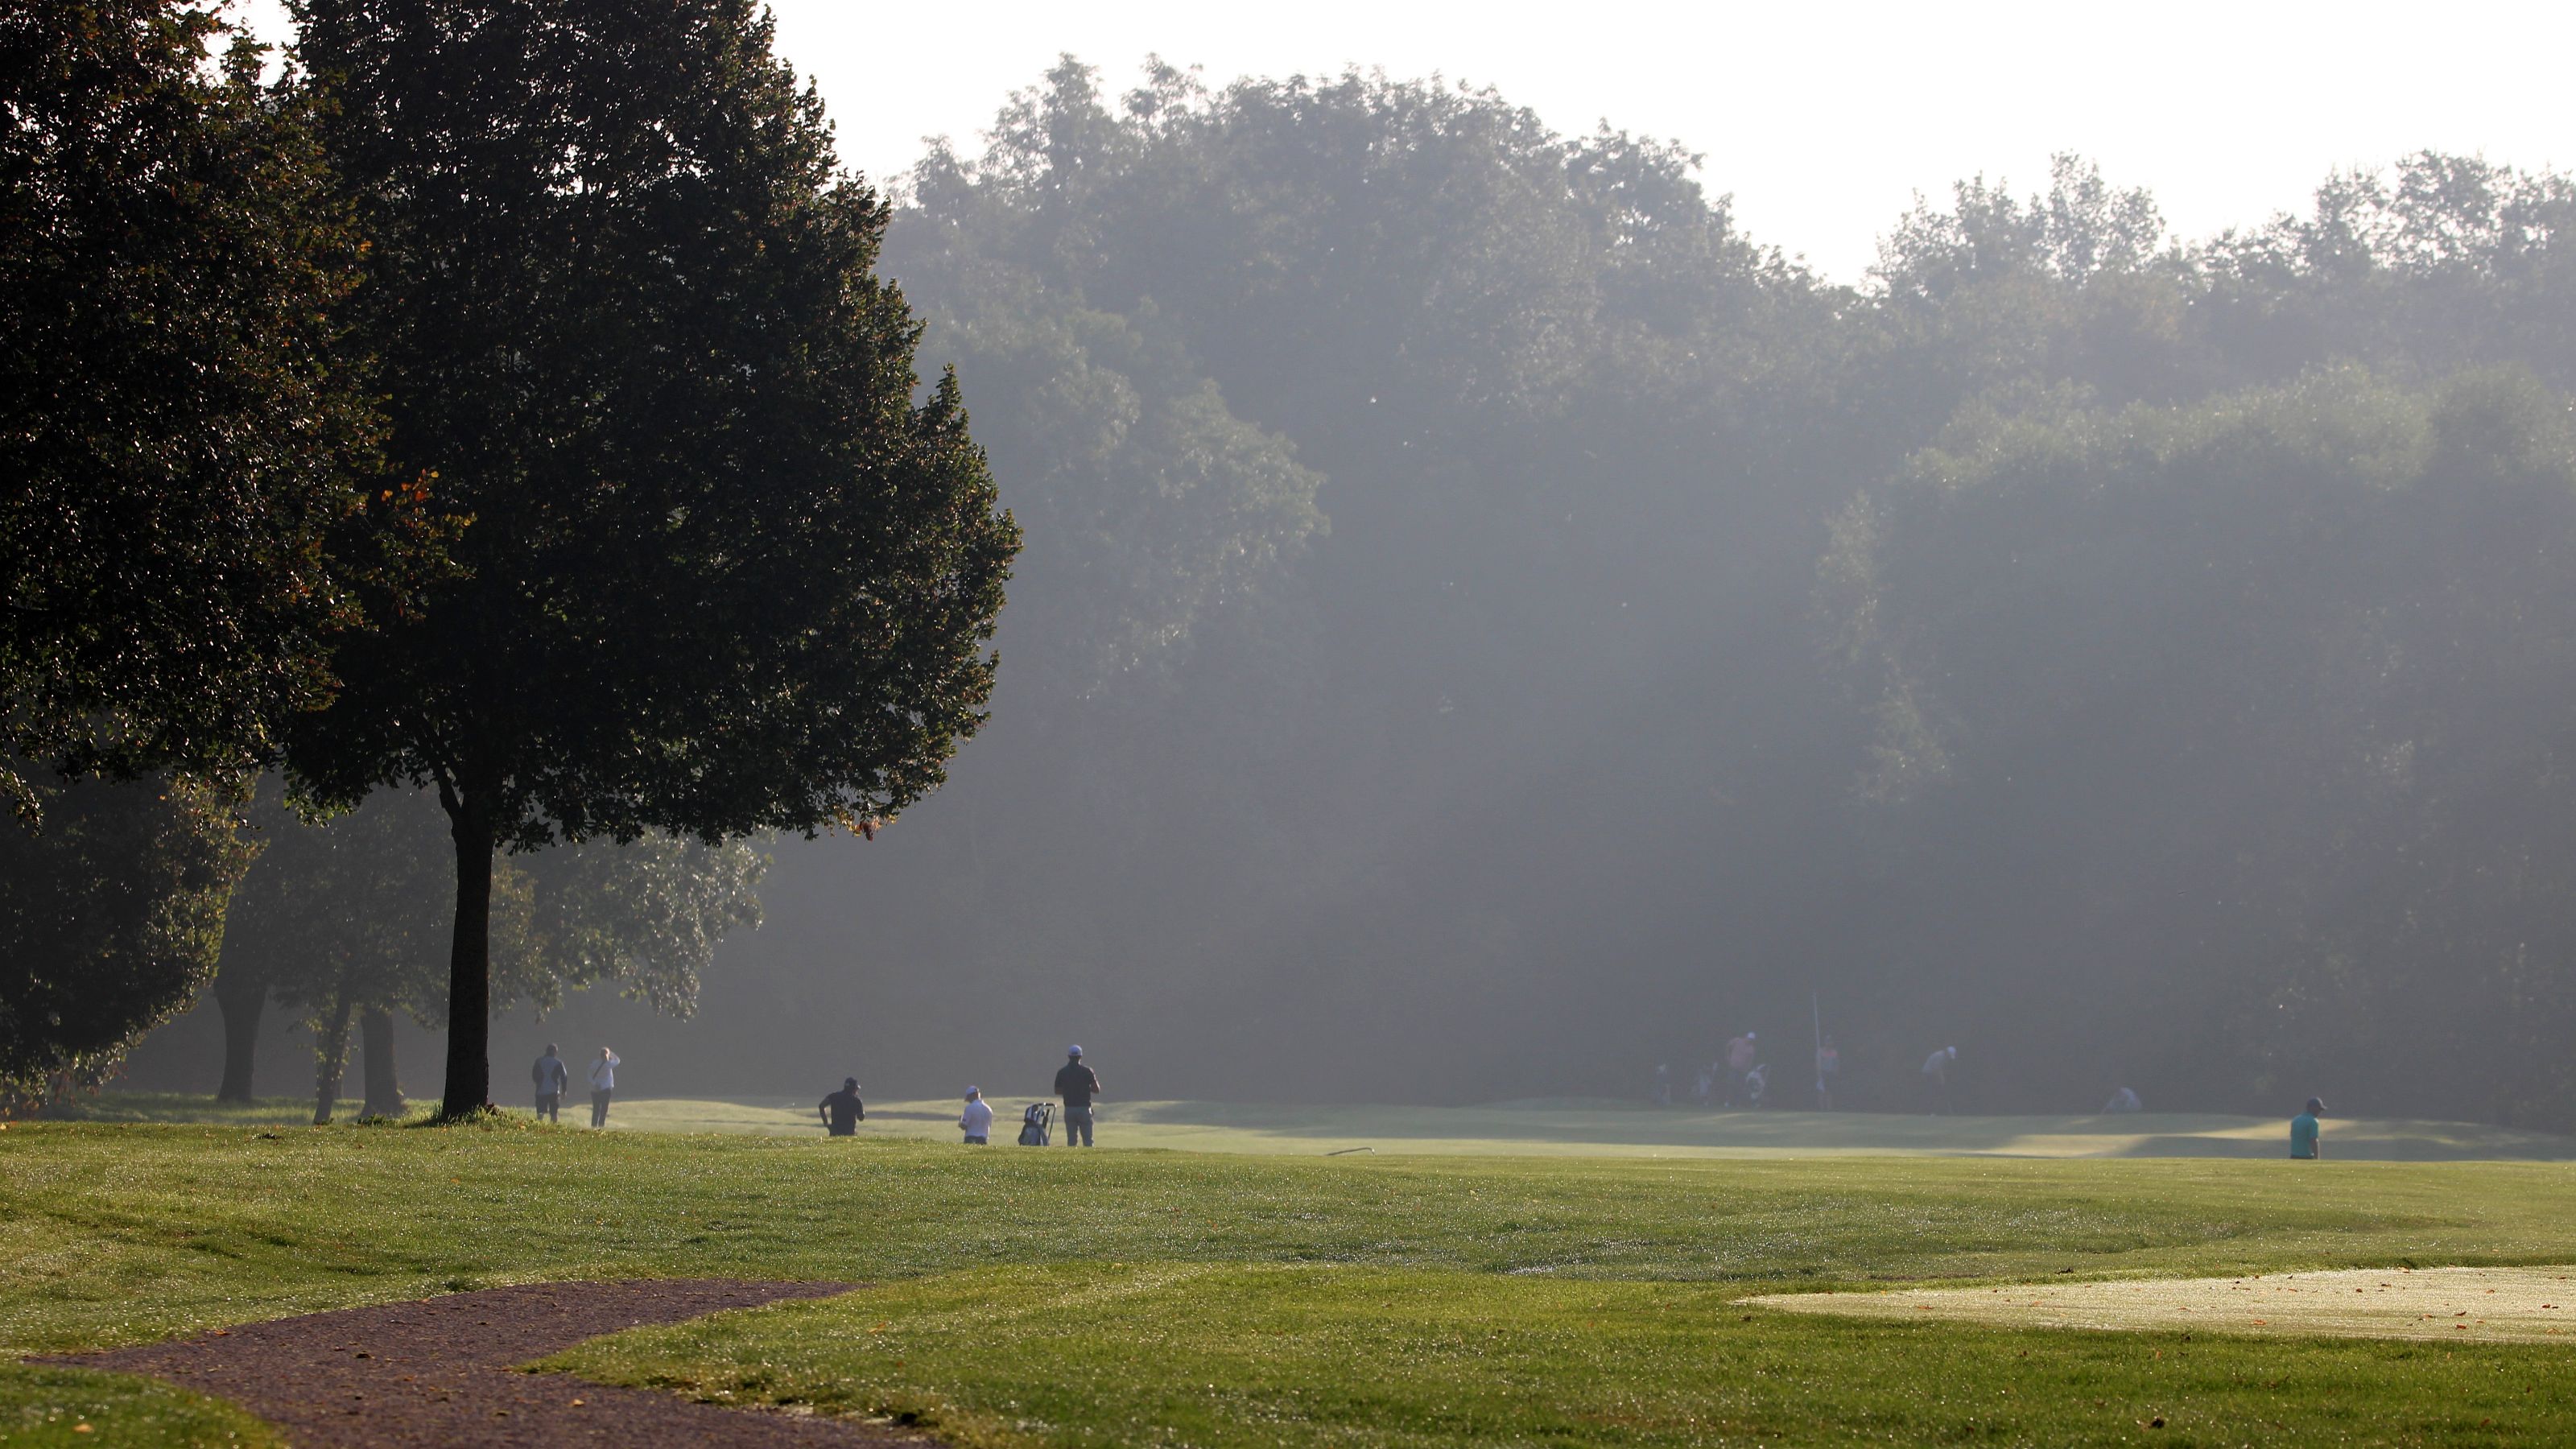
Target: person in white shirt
<point>977,1120</point>
<point>603,1085</point>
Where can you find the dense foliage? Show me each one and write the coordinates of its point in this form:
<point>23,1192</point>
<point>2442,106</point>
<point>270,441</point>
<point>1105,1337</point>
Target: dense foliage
<point>176,421</point>
<point>726,573</point>
<point>1578,634</point>
<point>110,921</point>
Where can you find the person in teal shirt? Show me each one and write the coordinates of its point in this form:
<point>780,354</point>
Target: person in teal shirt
<point>2303,1130</point>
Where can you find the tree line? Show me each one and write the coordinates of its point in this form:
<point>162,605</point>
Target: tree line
<point>1487,626</point>
<point>500,408</point>
<point>1490,626</point>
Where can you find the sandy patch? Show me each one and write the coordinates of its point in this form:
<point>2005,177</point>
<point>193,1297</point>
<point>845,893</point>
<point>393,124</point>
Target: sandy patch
<point>2455,1305</point>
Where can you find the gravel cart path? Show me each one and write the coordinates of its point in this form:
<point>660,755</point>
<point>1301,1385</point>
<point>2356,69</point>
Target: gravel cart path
<point>442,1371</point>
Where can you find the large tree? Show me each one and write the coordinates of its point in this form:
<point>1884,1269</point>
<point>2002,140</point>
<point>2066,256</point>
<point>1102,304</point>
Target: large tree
<point>726,573</point>
<point>175,418</point>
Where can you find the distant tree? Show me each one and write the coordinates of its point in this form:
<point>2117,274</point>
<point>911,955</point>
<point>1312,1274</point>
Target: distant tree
<point>349,922</point>
<point>110,920</point>
<point>2299,660</point>
<point>343,919</point>
<point>725,574</point>
<point>645,915</point>
<point>176,423</point>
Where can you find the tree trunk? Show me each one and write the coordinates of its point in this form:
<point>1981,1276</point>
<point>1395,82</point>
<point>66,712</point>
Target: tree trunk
<point>241,995</point>
<point>469,961</point>
<point>376,1050</point>
<point>331,1055</point>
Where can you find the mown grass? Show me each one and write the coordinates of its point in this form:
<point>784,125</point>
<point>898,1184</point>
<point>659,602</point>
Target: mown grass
<point>1221,1356</point>
<point>120,1234</point>
<point>1594,1128</point>
<point>41,1406</point>
<point>187,1108</point>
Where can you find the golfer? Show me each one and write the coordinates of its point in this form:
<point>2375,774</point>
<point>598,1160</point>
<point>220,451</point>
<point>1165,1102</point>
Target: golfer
<point>1741,1054</point>
<point>603,1085</point>
<point>1936,1078</point>
<point>1077,1084</point>
<point>551,1077</point>
<point>977,1120</point>
<point>2303,1131</point>
<point>842,1112</point>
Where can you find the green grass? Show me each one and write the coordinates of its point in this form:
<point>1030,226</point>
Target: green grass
<point>122,1234</point>
<point>1552,1127</point>
<point>1590,1128</point>
<point>66,1407</point>
<point>1156,1354</point>
<point>181,1108</point>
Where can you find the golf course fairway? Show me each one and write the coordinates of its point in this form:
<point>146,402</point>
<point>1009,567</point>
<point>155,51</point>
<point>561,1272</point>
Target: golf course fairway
<point>1430,1297</point>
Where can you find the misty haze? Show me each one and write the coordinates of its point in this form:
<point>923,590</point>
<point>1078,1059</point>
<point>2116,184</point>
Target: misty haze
<point>1489,628</point>
<point>1564,773</point>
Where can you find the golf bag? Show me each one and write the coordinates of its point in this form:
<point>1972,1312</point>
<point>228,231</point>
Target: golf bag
<point>1757,1085</point>
<point>1037,1124</point>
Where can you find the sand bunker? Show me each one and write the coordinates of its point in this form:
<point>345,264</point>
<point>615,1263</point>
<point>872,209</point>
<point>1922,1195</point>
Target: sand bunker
<point>2455,1305</point>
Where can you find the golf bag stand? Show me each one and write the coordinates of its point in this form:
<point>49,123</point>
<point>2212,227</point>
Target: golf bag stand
<point>1037,1124</point>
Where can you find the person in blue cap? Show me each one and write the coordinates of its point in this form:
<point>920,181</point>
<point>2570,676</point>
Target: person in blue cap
<point>1077,1084</point>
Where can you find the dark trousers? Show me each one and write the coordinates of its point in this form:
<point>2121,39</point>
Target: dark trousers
<point>599,1108</point>
<point>1077,1126</point>
<point>550,1106</point>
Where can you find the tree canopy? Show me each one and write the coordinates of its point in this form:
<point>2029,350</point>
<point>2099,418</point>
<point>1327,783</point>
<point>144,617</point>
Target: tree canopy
<point>110,921</point>
<point>2010,649</point>
<point>726,573</point>
<point>178,426</point>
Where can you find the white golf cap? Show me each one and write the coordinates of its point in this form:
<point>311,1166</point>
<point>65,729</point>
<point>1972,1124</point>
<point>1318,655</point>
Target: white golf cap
<point>1073,1051</point>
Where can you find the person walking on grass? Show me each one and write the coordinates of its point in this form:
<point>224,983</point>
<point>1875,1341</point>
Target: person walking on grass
<point>1741,1054</point>
<point>1077,1085</point>
<point>977,1120</point>
<point>603,1085</point>
<point>551,1077</point>
<point>2303,1131</point>
<point>1936,1078</point>
<point>842,1112</point>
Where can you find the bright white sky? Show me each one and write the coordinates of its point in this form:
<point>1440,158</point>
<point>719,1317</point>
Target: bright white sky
<point>1823,120</point>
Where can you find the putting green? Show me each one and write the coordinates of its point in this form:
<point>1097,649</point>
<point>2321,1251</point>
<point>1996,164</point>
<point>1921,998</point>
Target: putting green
<point>2453,1305</point>
<point>1592,1128</point>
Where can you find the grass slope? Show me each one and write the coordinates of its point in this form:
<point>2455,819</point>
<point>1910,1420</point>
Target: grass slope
<point>1613,1129</point>
<point>1217,1356</point>
<point>118,1234</point>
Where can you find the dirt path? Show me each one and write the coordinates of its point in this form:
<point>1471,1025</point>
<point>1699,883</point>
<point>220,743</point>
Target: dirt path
<point>2455,1305</point>
<point>441,1371</point>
